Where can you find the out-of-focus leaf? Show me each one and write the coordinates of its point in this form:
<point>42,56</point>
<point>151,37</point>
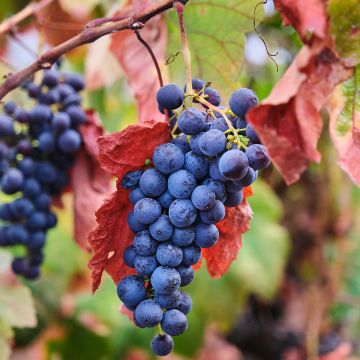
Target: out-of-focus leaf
<point>136,62</point>
<point>216,32</point>
<point>345,27</point>
<point>260,264</point>
<point>57,24</point>
<point>90,184</point>
<point>344,110</point>
<point>16,303</point>
<point>4,349</point>
<point>288,121</point>
<point>79,8</point>
<point>308,17</point>
<point>101,67</point>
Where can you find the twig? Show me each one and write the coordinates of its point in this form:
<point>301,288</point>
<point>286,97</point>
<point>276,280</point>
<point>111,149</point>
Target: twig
<point>271,56</point>
<point>148,48</point>
<point>29,10</point>
<point>85,37</point>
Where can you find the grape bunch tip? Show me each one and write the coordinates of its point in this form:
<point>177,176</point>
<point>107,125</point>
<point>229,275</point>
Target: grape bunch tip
<point>180,199</point>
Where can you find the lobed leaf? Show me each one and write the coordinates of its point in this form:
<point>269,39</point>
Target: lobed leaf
<point>289,122</point>
<point>216,33</point>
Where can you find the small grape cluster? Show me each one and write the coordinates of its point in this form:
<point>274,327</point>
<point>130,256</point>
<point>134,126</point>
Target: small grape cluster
<point>214,154</point>
<point>37,150</point>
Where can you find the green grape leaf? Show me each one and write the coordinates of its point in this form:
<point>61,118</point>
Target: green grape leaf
<point>16,302</point>
<point>345,27</point>
<point>216,34</point>
<point>344,110</point>
<point>259,267</point>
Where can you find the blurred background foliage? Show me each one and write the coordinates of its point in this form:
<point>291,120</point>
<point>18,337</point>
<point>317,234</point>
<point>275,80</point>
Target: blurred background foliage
<point>74,324</point>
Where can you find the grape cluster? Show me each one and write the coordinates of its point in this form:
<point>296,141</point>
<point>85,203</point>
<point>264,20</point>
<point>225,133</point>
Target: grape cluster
<point>37,149</point>
<point>179,200</point>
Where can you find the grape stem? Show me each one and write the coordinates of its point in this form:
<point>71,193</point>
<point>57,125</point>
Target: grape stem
<point>185,50</point>
<point>88,35</point>
<point>159,330</point>
<point>223,114</point>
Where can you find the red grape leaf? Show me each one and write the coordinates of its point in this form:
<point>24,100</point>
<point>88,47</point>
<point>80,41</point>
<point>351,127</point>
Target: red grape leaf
<point>289,121</point>
<point>137,64</point>
<point>132,146</point>
<point>307,16</point>
<point>345,131</point>
<point>90,184</point>
<point>220,256</point>
<point>120,153</point>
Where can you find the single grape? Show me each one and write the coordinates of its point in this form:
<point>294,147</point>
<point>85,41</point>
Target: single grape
<point>233,164</point>
<point>181,184</point>
<point>168,158</point>
<point>20,265</point>
<point>162,345</point>
<point>242,100</point>
<point>131,179</point>
<point>161,229</point>
<point>17,234</point>
<point>183,236</point>
<point>50,78</point>
<point>198,84</point>
<point>165,199</point>
<point>45,172</point>
<point>257,156</point>
<point>36,240</point>
<point>147,210</point>
<point>61,121</point>
<point>170,301</point>
<point>136,195</point>
<point>174,322</point>
<point>252,135</point>
<point>148,313</point>
<point>232,187</point>
<point>213,215</point>
<point>233,199</point>
<point>196,165</point>
<point>31,188</point>
<point>206,235</point>
<point>36,221</point>
<point>216,186</point>
<point>42,201</point>
<point>219,124</point>
<point>191,121</point>
<point>215,173</point>
<point>194,143</point>
<point>129,256</point>
<point>182,143</point>
<point>21,207</point>
<point>248,179</point>
<point>186,274</point>
<point>182,213</point>
<point>131,290</point>
<point>168,254</point>
<point>145,265</point>
<point>76,81</point>
<point>9,107</point>
<point>76,114</point>
<point>170,96</point>
<point>212,143</point>
<point>40,114</point>
<point>26,166</point>
<point>165,280</point>
<point>144,244</point>
<point>185,304</point>
<point>6,126</point>
<point>69,141</point>
<point>25,147</point>
<point>12,181</point>
<point>191,255</point>
<point>203,198</point>
<point>152,183</point>
<point>46,142</point>
<point>212,96</point>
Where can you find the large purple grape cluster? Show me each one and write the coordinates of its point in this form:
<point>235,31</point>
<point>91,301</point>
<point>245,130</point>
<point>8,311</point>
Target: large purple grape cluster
<point>180,199</point>
<point>37,149</point>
